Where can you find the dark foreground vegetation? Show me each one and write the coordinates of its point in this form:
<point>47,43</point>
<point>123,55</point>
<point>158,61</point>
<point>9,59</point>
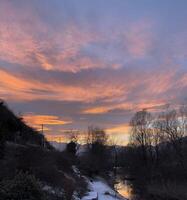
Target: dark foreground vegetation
<point>30,168</point>
<point>155,159</point>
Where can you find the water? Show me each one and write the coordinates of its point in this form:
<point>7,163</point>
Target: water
<point>124,188</point>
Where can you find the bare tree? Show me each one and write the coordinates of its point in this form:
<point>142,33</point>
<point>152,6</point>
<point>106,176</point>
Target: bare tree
<point>96,135</point>
<point>158,137</point>
<point>97,159</point>
<point>141,131</point>
<point>172,127</point>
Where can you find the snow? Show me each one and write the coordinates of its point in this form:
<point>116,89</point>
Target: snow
<point>100,190</point>
<point>57,191</point>
<point>76,171</point>
<point>91,196</point>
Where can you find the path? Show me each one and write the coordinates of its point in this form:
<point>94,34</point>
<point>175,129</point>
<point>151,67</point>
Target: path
<point>101,190</point>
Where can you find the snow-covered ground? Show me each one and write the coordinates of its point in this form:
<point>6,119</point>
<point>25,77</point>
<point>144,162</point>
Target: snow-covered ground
<point>100,190</point>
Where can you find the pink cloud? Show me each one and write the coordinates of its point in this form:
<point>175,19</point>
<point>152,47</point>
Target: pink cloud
<point>139,38</point>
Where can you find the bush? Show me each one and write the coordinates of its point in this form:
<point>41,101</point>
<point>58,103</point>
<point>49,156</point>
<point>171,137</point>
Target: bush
<point>72,148</point>
<point>22,187</point>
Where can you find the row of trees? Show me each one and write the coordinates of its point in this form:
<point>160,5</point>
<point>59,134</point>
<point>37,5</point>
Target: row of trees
<point>157,150</point>
<point>156,142</point>
<point>149,133</point>
<point>93,157</point>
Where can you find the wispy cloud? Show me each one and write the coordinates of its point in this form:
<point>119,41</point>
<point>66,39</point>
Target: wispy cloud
<point>93,64</point>
<point>44,119</point>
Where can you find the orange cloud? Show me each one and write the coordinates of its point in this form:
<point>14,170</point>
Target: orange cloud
<point>107,108</point>
<point>44,119</point>
<point>48,121</point>
<point>142,104</point>
<point>151,105</point>
<point>18,88</point>
<point>96,110</point>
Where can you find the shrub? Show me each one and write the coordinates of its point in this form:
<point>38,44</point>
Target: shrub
<point>22,187</point>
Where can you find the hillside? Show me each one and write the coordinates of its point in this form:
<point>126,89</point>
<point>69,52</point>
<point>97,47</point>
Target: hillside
<point>30,168</point>
<point>14,129</point>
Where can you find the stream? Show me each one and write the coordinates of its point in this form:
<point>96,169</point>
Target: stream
<point>125,189</point>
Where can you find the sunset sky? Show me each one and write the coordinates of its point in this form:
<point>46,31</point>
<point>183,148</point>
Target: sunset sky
<point>69,64</point>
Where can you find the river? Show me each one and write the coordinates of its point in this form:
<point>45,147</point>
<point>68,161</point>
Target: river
<point>125,189</point>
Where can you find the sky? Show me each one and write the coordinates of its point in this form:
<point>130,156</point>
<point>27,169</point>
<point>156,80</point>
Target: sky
<point>69,64</point>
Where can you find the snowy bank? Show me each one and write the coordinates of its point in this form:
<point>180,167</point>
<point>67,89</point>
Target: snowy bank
<point>100,190</point>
